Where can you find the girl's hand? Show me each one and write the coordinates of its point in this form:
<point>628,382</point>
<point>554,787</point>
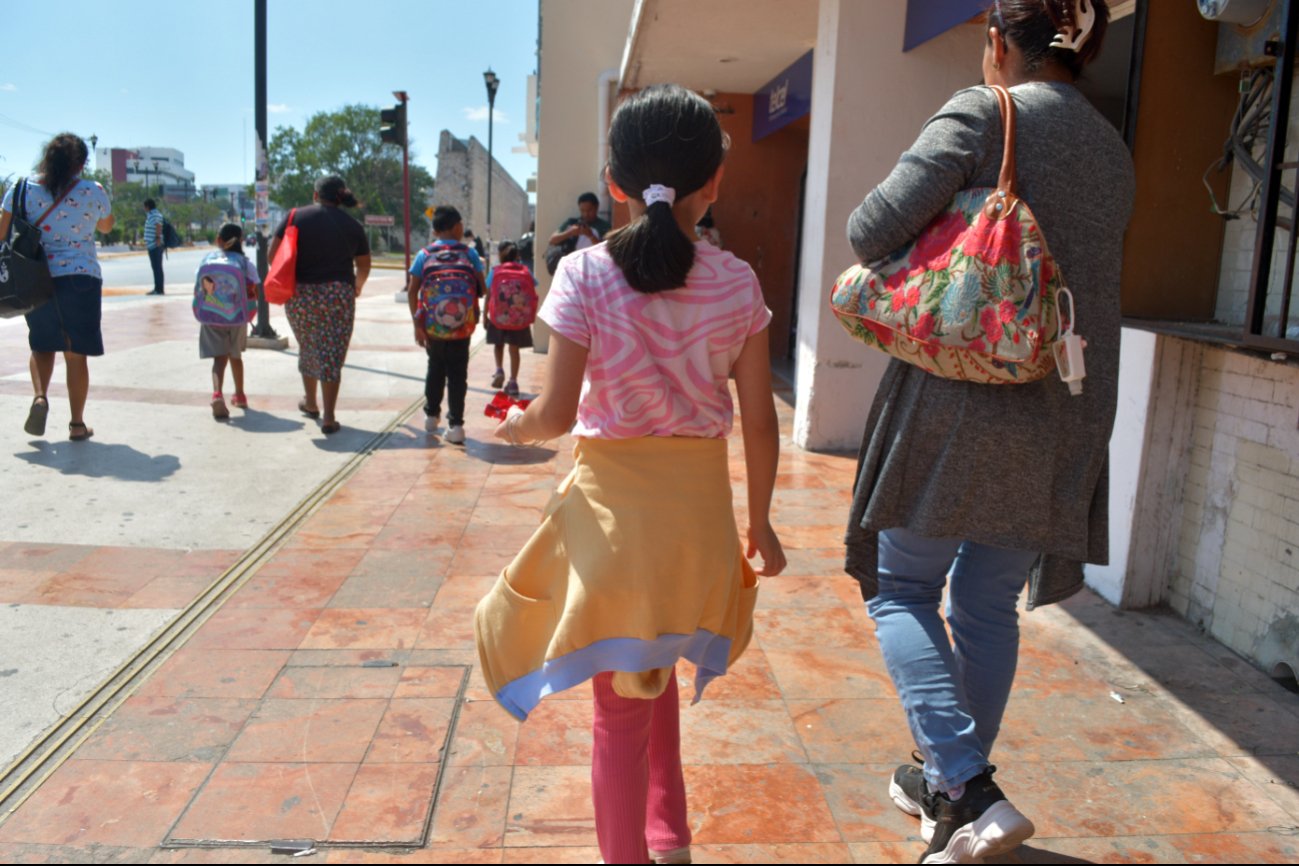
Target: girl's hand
<point>421,336</point>
<point>762,539</point>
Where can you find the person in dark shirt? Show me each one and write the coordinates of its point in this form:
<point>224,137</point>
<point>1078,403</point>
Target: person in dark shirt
<point>584,230</point>
<point>332,267</point>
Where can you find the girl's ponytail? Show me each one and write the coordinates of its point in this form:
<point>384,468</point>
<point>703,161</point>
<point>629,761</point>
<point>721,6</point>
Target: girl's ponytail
<point>652,251</point>
<point>664,143</point>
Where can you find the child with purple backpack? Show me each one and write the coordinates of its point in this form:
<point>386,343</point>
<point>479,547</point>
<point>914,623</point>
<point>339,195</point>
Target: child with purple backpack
<point>225,301</point>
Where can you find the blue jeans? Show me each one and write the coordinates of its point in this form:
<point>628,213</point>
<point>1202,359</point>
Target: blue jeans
<point>954,692</point>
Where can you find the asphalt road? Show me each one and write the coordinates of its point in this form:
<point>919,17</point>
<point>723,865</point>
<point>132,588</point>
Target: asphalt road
<point>131,271</point>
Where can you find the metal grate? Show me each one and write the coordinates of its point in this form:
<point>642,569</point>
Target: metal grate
<point>1268,315</point>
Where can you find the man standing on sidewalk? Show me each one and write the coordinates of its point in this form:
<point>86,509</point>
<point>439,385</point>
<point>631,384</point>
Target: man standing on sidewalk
<point>154,242</point>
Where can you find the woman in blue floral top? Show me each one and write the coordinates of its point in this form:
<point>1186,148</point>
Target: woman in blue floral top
<point>69,210</point>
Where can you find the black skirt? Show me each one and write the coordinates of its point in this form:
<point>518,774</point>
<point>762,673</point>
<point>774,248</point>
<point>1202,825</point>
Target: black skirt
<point>496,337</point>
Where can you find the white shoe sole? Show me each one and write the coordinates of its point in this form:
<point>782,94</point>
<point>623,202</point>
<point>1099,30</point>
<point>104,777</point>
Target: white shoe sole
<point>456,436</point>
<point>1001,829</point>
<point>911,807</point>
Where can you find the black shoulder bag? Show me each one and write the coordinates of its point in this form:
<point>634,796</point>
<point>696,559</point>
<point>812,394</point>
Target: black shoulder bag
<point>25,281</point>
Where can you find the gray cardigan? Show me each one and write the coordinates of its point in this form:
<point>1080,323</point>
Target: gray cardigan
<point>1014,466</point>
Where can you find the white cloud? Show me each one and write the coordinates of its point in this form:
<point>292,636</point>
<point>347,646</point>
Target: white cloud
<point>9,87</point>
<point>277,108</point>
<point>480,114</point>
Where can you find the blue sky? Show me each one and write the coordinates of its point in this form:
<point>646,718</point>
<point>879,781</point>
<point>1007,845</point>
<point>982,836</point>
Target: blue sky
<point>95,68</point>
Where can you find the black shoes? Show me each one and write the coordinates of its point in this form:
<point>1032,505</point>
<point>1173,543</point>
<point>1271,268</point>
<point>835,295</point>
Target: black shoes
<point>981,824</point>
<point>907,790</point>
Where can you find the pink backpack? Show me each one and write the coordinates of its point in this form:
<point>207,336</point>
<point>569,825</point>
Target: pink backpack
<point>512,298</point>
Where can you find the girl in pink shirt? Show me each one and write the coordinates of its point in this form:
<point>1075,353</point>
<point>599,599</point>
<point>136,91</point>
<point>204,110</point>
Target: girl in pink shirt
<point>638,562</point>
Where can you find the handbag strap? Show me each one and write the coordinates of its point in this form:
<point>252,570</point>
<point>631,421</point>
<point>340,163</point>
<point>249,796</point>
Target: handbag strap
<point>1002,202</point>
<point>49,210</point>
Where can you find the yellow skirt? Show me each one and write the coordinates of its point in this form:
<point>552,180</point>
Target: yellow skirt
<point>637,564</point>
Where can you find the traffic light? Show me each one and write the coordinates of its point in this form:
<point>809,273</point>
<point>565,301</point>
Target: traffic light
<point>393,125</point>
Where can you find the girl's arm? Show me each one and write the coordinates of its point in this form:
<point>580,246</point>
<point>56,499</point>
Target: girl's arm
<point>552,414</point>
<point>761,448</point>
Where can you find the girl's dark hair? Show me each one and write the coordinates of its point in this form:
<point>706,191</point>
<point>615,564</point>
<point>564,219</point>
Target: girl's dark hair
<point>64,158</point>
<point>231,232</point>
<point>333,190</point>
<point>667,135</point>
<point>1033,24</point>
<point>508,251</point>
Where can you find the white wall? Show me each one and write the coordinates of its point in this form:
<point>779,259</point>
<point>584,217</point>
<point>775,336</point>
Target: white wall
<point>579,40</point>
<point>861,123</point>
<point>1127,454</point>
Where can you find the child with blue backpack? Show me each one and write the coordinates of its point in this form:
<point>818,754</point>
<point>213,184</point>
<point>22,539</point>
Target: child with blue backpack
<point>225,301</point>
<point>446,284</point>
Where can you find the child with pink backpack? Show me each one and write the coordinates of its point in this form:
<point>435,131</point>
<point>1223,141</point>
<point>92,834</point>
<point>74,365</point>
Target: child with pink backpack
<point>511,310</point>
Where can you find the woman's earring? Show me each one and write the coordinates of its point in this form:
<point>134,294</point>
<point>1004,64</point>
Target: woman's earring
<point>996,66</point>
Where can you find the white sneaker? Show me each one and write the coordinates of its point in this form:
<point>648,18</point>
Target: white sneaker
<point>456,434</point>
<point>432,423</point>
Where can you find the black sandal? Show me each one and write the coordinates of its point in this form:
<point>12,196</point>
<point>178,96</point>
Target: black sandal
<point>35,425</point>
<point>330,427</point>
<point>84,434</point>
<point>310,413</point>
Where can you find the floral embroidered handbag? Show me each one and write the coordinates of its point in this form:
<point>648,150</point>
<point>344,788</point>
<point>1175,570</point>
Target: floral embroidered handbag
<point>974,297</point>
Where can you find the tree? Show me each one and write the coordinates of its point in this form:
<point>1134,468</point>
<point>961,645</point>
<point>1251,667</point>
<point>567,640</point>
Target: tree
<point>346,143</point>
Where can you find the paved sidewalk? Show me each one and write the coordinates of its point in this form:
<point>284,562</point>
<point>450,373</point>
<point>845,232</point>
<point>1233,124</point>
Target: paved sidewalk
<point>334,697</point>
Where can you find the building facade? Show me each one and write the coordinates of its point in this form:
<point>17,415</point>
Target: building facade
<point>462,182</point>
<point>160,168</point>
<point>1204,499</point>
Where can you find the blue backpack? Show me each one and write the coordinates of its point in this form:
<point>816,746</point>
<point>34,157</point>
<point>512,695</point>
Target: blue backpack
<point>221,296</point>
<point>448,292</point>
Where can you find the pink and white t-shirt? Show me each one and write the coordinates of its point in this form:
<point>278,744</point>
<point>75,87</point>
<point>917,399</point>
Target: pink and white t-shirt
<point>657,365</point>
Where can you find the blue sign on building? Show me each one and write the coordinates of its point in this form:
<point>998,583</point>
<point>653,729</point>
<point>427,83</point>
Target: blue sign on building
<point>929,18</point>
<point>784,99</point>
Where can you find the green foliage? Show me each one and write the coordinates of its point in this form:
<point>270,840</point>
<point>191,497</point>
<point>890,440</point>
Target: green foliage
<point>346,143</point>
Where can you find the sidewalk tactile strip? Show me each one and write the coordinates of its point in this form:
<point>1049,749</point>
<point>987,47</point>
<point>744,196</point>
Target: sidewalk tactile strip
<point>324,765</point>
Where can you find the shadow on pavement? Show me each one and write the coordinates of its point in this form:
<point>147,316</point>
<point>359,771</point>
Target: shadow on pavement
<point>347,440</point>
<point>1029,854</point>
<point>508,455</point>
<point>101,460</point>
<point>253,421</point>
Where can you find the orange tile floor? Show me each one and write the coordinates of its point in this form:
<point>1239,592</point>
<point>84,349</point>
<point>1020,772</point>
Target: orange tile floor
<point>268,723</point>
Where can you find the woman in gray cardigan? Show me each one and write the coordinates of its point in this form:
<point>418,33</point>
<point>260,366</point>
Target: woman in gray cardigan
<point>998,485</point>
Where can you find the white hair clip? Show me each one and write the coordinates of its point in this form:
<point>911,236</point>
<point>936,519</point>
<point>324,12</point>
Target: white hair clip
<point>657,192</point>
<point>1073,38</point>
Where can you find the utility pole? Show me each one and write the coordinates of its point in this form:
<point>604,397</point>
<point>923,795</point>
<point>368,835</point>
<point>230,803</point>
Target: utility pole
<point>263,332</point>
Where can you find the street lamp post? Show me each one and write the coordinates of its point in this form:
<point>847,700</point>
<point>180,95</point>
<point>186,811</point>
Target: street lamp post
<point>492,82</point>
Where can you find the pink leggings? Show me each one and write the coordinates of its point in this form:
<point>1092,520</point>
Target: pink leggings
<point>636,780</point>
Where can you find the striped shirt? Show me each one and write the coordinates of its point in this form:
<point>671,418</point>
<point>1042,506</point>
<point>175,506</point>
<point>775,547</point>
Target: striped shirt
<point>153,229</point>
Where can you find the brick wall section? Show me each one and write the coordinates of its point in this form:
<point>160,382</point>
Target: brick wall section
<point>462,182</point>
<point>1237,565</point>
